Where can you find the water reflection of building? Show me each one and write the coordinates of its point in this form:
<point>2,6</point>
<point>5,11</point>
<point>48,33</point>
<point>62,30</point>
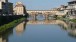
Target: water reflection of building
<point>72,30</point>
<point>20,27</point>
<point>70,27</point>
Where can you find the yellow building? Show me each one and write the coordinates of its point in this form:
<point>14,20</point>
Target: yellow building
<point>19,9</point>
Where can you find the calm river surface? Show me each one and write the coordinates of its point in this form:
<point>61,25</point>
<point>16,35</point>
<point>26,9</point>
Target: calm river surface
<point>41,31</point>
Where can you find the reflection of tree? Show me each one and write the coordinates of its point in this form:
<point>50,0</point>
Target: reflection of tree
<point>72,33</point>
<point>62,26</point>
<point>25,24</point>
<point>4,35</point>
<point>72,30</point>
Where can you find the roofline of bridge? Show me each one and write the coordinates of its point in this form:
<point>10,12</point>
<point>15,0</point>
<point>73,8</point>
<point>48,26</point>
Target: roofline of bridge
<point>46,10</point>
<point>38,10</point>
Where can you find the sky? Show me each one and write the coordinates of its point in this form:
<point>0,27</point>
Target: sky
<point>41,4</point>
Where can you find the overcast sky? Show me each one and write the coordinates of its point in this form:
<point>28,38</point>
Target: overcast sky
<point>41,4</point>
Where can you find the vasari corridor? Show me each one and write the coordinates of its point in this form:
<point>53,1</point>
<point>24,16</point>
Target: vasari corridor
<point>37,20</point>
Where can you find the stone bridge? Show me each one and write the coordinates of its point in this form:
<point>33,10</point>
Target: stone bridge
<point>45,13</point>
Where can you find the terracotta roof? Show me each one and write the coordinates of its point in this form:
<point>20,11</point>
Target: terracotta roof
<point>19,5</point>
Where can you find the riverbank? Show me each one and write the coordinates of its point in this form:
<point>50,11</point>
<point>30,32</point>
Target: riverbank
<point>73,20</point>
<point>67,19</point>
<point>7,19</point>
<point>70,20</point>
<point>4,27</point>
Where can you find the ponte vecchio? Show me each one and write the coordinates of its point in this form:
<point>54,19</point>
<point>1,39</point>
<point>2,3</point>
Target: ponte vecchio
<point>45,13</point>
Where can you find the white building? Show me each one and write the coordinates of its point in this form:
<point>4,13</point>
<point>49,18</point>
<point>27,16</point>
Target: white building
<point>19,9</point>
<point>72,5</point>
<point>71,10</point>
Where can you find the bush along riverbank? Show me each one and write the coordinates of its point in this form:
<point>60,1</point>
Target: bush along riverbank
<point>66,19</point>
<point>4,27</point>
<point>7,19</point>
<point>73,20</point>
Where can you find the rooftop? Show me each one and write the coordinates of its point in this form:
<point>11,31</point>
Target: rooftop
<point>72,2</point>
<point>19,4</point>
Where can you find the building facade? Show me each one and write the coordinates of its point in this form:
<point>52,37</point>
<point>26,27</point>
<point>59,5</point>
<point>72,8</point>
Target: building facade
<point>19,9</point>
<point>71,10</point>
<point>6,8</point>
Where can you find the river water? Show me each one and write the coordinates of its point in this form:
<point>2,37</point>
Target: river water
<point>41,31</point>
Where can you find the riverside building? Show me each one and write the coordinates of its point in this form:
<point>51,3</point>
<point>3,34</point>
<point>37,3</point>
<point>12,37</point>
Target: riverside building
<point>72,10</point>
<point>19,9</point>
<point>6,8</point>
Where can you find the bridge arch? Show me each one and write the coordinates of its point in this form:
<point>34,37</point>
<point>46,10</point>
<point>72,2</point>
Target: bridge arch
<point>45,13</point>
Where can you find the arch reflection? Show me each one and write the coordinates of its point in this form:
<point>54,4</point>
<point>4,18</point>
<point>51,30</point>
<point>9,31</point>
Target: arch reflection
<point>70,27</point>
<point>48,22</point>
